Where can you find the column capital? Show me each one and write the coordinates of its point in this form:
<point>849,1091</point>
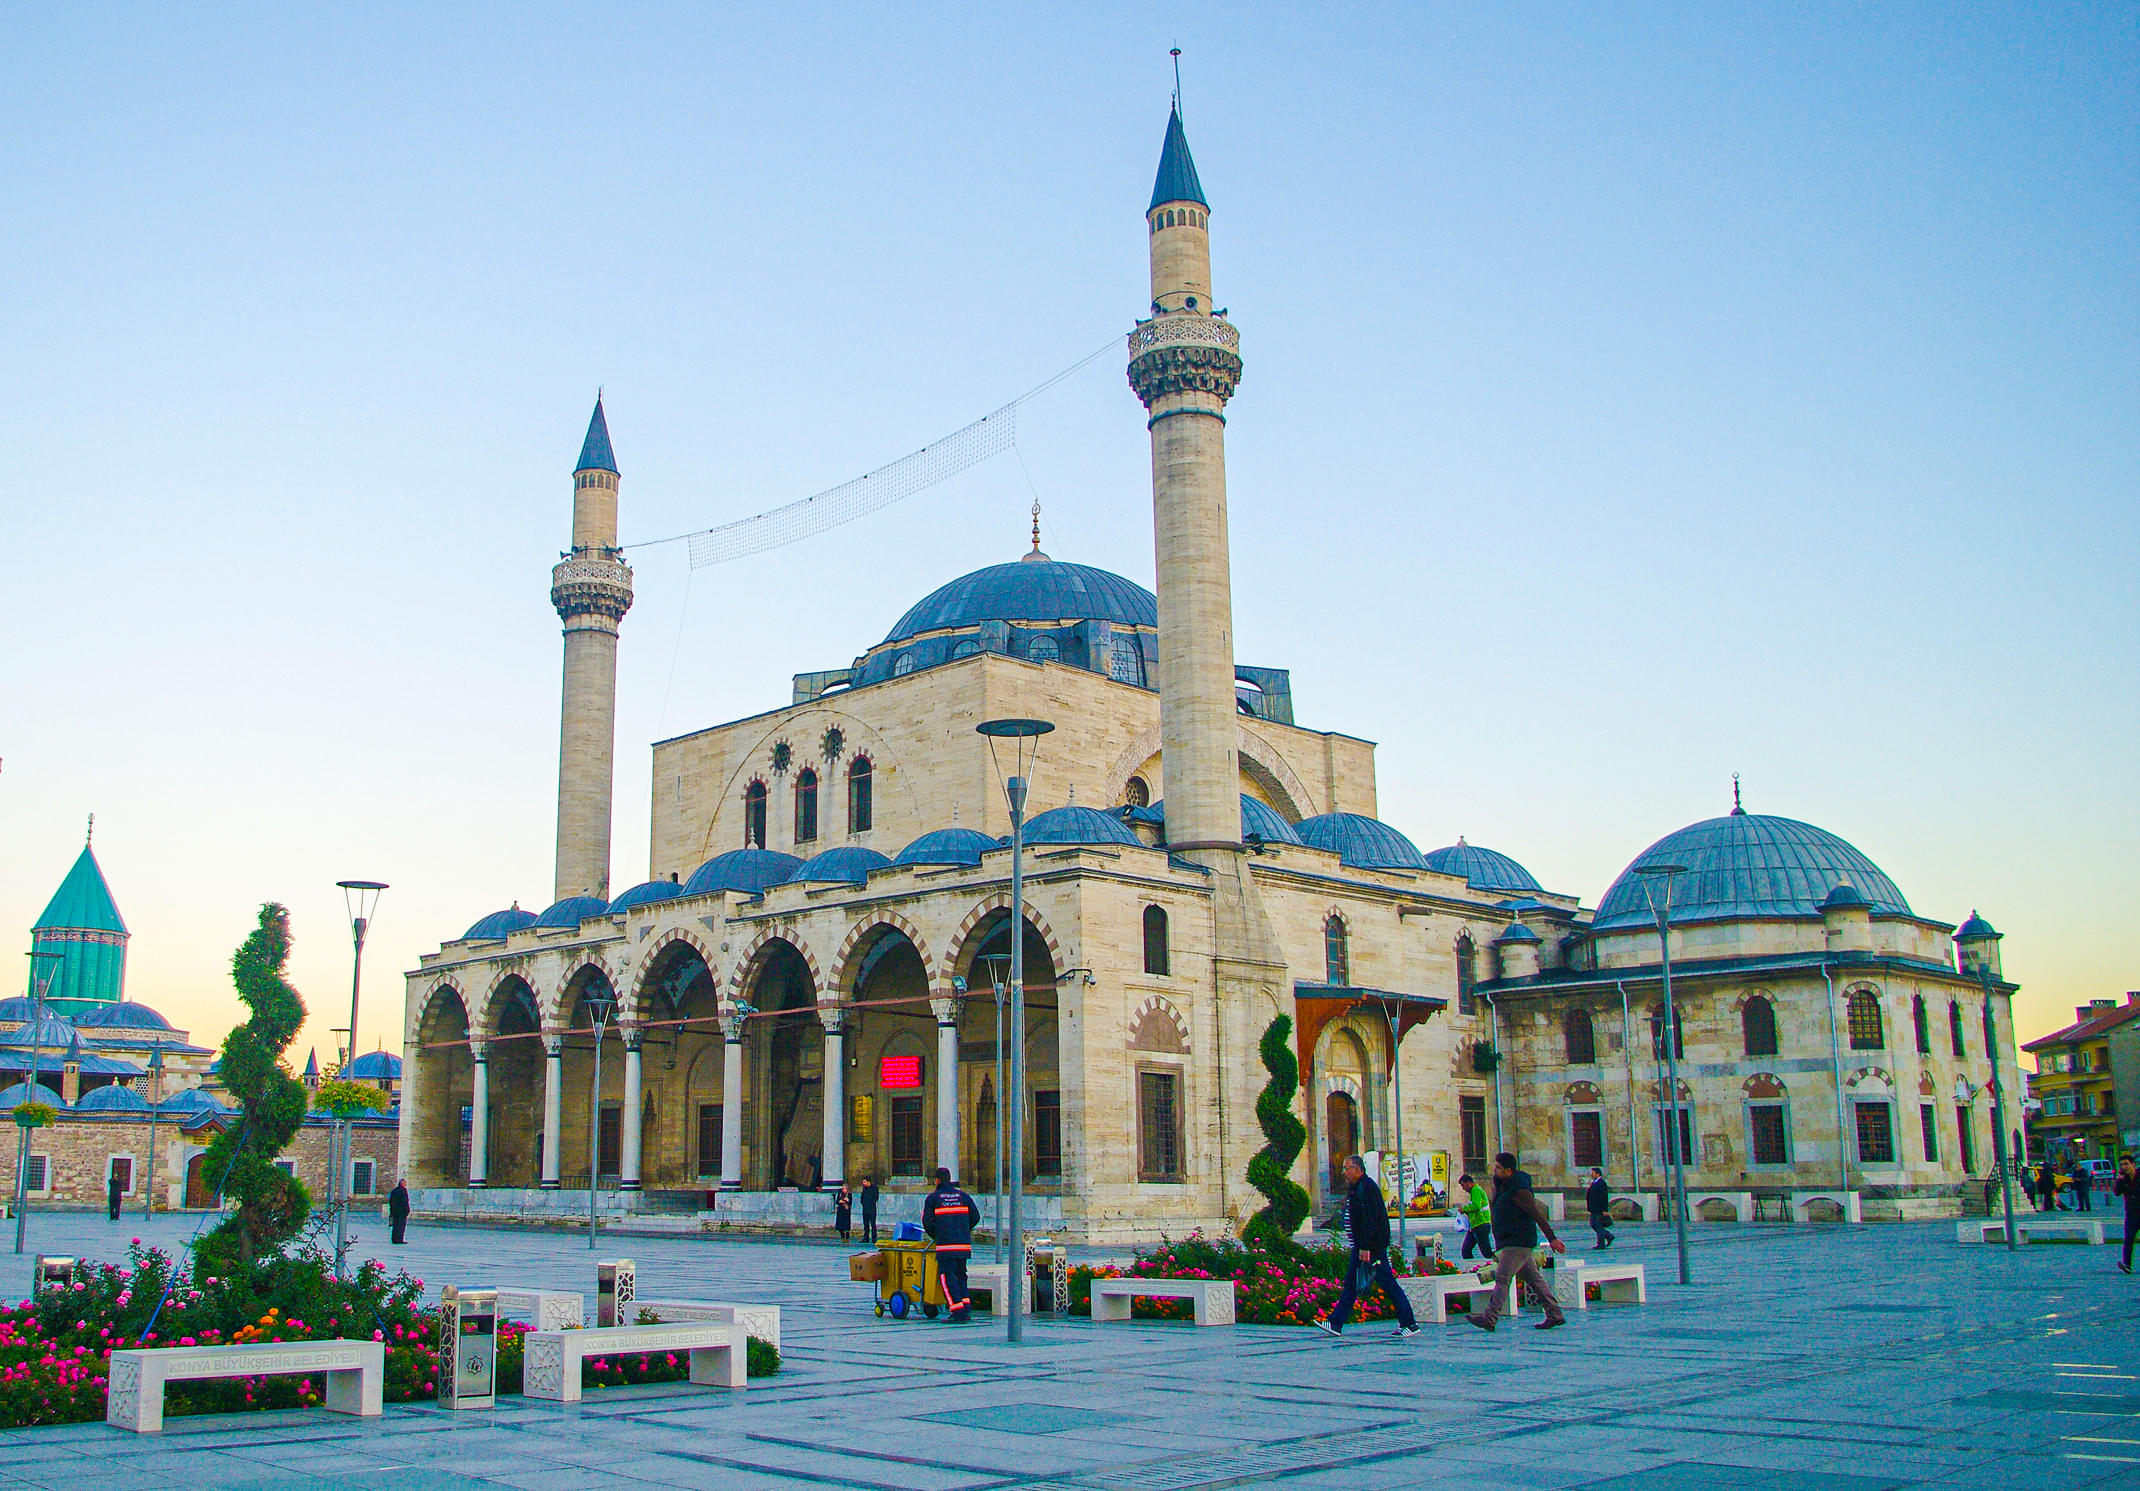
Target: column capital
<point>945,1007</point>
<point>732,1028</point>
<point>633,1036</point>
<point>479,1050</point>
<point>833,1018</point>
<point>553,1044</point>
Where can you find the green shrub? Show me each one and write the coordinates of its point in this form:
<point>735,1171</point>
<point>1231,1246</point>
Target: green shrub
<point>1271,1170</point>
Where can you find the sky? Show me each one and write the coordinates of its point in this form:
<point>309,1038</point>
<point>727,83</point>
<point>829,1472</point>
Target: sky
<point>1635,395</point>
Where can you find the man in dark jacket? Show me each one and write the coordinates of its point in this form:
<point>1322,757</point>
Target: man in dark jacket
<point>868,1198</point>
<point>1367,1223</point>
<point>1518,1219</point>
<point>949,1216</point>
<point>2128,1185</point>
<point>1598,1202</point>
<point>113,1192</point>
<point>397,1210</point>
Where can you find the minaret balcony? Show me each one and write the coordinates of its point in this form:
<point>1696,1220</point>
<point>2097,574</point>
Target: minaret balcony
<point>586,585</point>
<point>1184,352</point>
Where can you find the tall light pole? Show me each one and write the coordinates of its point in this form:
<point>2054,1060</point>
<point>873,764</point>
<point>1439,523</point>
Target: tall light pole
<point>1024,736</point>
<point>43,985</point>
<point>148,1197</point>
<point>995,978</point>
<point>1654,878</point>
<point>1998,1107</point>
<point>361,899</point>
<point>599,1002</point>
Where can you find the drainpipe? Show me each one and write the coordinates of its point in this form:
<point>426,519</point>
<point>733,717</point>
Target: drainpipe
<point>1835,1051</point>
<point>1634,1130</point>
<point>1493,1008</point>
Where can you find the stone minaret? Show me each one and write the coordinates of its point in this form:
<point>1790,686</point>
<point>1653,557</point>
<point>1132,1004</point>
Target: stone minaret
<point>1184,363</point>
<point>592,589</point>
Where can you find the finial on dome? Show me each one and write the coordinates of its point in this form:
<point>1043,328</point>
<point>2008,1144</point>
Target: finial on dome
<point>91,836</point>
<point>1460,842</point>
<point>1738,809</point>
<point>1036,554</point>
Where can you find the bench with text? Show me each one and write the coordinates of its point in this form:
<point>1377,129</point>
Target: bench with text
<point>355,1372</point>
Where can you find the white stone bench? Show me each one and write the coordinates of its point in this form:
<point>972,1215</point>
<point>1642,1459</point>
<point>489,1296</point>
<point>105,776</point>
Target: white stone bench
<point>1802,1203</point>
<point>1213,1298</point>
<point>1430,1294</point>
<point>1618,1283</point>
<point>1740,1202</point>
<point>762,1321</point>
<point>355,1372</point>
<point>993,1277</point>
<point>2031,1229</point>
<point>546,1309</point>
<point>720,1354</point>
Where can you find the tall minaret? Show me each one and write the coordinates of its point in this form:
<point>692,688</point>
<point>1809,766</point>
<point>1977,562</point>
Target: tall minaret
<point>1184,363</point>
<point>592,589</point>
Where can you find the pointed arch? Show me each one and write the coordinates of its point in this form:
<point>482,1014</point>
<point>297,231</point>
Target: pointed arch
<point>759,948</point>
<point>962,943</point>
<point>1158,1026</point>
<point>855,947</point>
<point>655,966</point>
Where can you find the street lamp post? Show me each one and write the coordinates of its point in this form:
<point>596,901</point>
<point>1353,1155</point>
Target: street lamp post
<point>1654,876</point>
<point>148,1196</point>
<point>37,1029</point>
<point>1024,736</point>
<point>599,1002</point>
<point>1998,1108</point>
<point>361,898</point>
<point>995,978</point>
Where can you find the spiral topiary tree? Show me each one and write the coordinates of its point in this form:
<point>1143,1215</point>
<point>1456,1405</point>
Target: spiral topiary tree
<point>271,1206</point>
<point>1271,1171</point>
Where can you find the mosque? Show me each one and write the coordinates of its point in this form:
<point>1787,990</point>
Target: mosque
<point>808,986</point>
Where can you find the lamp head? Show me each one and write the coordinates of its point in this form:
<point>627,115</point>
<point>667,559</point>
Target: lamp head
<point>360,898</point>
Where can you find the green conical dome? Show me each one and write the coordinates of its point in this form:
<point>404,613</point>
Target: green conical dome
<point>83,926</point>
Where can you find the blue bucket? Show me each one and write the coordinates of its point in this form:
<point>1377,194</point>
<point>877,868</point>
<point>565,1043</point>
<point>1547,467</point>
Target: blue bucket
<point>908,1232</point>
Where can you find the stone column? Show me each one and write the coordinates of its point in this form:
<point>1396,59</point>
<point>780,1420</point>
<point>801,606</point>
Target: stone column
<point>553,1106</point>
<point>479,1118</point>
<point>947,1083</point>
<point>732,1104</point>
<point>835,1157</point>
<point>628,1162</point>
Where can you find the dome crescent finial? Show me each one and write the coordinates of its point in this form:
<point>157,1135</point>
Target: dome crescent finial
<point>1738,808</point>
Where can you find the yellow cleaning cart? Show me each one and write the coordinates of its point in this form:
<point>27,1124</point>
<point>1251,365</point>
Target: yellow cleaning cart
<point>904,1271</point>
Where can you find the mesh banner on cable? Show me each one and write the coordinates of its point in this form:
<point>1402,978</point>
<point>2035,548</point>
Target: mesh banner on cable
<point>991,434</point>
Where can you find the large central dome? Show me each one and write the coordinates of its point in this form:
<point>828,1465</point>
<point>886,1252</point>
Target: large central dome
<point>1032,589</point>
<point>1749,865</point>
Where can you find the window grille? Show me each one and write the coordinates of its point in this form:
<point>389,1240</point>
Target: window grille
<point>1582,1044</point>
<point>1337,965</point>
<point>1867,1032</point>
<point>1155,940</point>
<point>1954,1030</point>
<point>709,1140</point>
<point>754,816</point>
<point>360,1177</point>
<point>1125,660</point>
<point>906,1136</point>
<point>805,805</point>
<point>1769,1143</point>
<point>1466,976</point>
<point>1758,1023</point>
<point>1043,650</point>
<point>1876,1134</point>
<point>1048,1133</point>
<point>1586,1133</point>
<point>861,802</point>
<point>1471,1130</point>
<point>1921,1024</point>
<point>1159,1125</point>
<point>1685,1155</point>
<point>1928,1120</point>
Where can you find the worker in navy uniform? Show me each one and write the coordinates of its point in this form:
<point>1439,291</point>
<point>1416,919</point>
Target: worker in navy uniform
<point>949,1215</point>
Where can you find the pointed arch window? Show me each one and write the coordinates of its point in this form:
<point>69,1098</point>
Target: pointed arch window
<point>1155,939</point>
<point>1867,1031</point>
<point>1757,1022</point>
<point>1337,961</point>
<point>805,805</point>
<point>1582,1038</point>
<point>861,802</point>
<point>1466,975</point>
<point>1954,1029</point>
<point>754,816</point>
<point>1922,1024</point>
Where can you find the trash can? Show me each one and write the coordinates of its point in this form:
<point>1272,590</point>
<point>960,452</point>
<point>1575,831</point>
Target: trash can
<point>468,1348</point>
<point>909,1280</point>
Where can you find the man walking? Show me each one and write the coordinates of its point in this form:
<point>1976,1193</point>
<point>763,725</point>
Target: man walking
<point>2128,1185</point>
<point>1478,1232</point>
<point>1367,1222</point>
<point>868,1199</point>
<point>397,1210</point>
<point>1598,1200</point>
<point>2083,1186</point>
<point>112,1194</point>
<point>2046,1187</point>
<point>949,1216</point>
<point>1518,1219</point>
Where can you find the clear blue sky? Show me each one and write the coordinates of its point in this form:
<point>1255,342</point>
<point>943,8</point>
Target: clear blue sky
<point>1635,395</point>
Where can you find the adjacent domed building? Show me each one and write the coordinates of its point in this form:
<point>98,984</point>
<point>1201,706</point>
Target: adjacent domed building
<point>803,986</point>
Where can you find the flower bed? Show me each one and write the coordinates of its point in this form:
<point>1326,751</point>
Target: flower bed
<point>1270,1288</point>
<point>55,1349</point>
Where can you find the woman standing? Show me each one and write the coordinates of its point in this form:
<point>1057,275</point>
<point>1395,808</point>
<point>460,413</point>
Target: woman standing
<point>843,1212</point>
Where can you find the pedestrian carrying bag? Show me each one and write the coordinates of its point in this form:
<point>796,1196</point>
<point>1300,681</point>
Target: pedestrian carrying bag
<point>1363,1277</point>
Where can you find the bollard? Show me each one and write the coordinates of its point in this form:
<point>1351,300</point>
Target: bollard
<point>614,1291</point>
<point>468,1348</point>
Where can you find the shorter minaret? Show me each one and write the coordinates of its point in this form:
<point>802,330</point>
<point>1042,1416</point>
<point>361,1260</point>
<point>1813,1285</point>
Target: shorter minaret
<point>591,588</point>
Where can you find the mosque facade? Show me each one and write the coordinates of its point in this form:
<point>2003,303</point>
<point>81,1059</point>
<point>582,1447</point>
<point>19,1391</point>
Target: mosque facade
<point>808,987</point>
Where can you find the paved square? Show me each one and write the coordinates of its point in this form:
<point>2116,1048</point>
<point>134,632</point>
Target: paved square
<point>1966,1368</point>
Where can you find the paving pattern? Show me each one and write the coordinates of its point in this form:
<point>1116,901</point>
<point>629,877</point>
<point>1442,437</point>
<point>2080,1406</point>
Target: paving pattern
<point>1815,1359</point>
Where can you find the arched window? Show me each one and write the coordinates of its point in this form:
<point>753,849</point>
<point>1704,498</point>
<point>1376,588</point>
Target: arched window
<point>1954,1029</point>
<point>805,805</point>
<point>967,647</point>
<point>1582,1039</point>
<point>1125,660</point>
<point>1136,794</point>
<point>1867,1033</point>
<point>754,816</point>
<point>1043,650</point>
<point>903,665</point>
<point>1679,1033</point>
<point>1466,975</point>
<point>1758,1023</point>
<point>1337,966</point>
<point>1155,939</point>
<point>1922,1025</point>
<point>860,801</point>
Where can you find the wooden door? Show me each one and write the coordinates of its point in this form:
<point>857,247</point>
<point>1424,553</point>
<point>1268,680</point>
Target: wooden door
<point>1341,1128</point>
<point>198,1195</point>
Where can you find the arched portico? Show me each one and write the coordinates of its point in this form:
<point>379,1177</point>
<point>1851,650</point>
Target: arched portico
<point>444,1085</point>
<point>981,956</point>
<point>508,1034</point>
<point>786,1064</point>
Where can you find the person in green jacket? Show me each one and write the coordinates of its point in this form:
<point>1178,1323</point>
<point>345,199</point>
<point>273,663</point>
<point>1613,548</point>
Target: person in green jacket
<point>1478,1217</point>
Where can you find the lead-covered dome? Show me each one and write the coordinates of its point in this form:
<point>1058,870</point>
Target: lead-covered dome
<point>112,1099</point>
<point>499,924</point>
<point>849,864</point>
<point>1078,825</point>
<point>947,846</point>
<point>374,1066</point>
<point>646,893</point>
<point>126,1015</point>
<point>1032,589</point>
<point>1486,869</point>
<point>1747,865</point>
<point>573,910</point>
<point>1358,840</point>
<point>749,871</point>
<point>1257,818</point>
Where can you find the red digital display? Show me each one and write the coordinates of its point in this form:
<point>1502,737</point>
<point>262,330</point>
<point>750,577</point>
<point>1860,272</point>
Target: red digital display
<point>898,1071</point>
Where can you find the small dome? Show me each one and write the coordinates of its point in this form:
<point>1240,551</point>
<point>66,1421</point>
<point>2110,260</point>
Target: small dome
<point>125,1015</point>
<point>646,893</point>
<point>53,1034</point>
<point>190,1100</point>
<point>1358,840</point>
<point>573,910</point>
<point>1031,590</point>
<point>25,1092</point>
<point>1078,825</point>
<point>848,865</point>
<point>1748,865</point>
<point>112,1099</point>
<point>1974,929</point>
<point>19,1009</point>
<point>1258,818</point>
<point>494,927</point>
<point>1486,869</point>
<point>747,870</point>
<point>947,846</point>
<point>1845,897</point>
<point>1517,932</point>
<point>374,1066</point>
